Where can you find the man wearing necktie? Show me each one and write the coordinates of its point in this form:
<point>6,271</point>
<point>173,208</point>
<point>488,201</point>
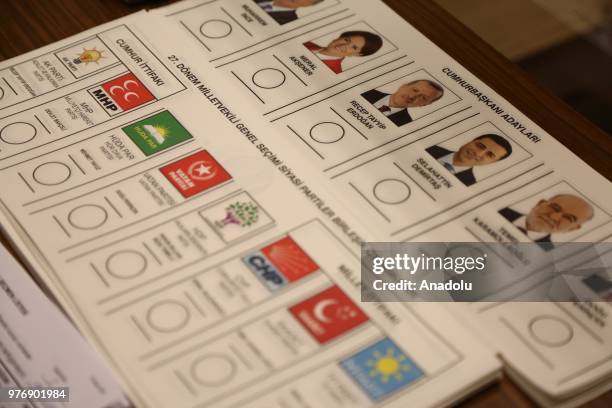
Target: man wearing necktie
<point>284,11</point>
<point>483,150</point>
<point>559,214</point>
<point>413,94</point>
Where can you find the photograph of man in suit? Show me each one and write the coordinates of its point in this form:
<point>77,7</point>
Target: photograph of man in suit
<point>348,44</point>
<point>284,11</point>
<point>559,214</point>
<point>415,94</point>
<point>484,150</point>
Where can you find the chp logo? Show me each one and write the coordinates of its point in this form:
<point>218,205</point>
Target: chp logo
<point>280,263</point>
<point>121,94</point>
<point>195,174</point>
<point>328,314</point>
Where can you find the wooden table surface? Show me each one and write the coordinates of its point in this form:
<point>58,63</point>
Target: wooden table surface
<point>29,24</point>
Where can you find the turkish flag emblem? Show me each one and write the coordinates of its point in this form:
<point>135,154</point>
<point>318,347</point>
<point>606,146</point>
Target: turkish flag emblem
<point>127,91</point>
<point>328,315</point>
<point>196,173</point>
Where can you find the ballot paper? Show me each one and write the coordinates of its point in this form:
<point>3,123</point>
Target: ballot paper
<point>39,347</point>
<point>195,197</point>
<point>422,172</point>
<point>209,269</point>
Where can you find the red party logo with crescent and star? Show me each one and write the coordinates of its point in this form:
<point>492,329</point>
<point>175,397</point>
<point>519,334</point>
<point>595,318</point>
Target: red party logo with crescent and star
<point>328,314</point>
<point>196,173</point>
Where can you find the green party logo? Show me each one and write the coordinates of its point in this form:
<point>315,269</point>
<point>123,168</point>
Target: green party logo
<point>157,133</point>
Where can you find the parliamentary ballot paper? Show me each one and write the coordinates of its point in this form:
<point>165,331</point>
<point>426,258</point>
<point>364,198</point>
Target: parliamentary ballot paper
<point>193,183</point>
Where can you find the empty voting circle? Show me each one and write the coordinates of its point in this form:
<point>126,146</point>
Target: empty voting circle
<point>269,78</point>
<point>51,173</point>
<point>551,331</point>
<point>327,132</point>
<point>215,29</point>
<point>18,133</point>
<point>87,216</point>
<point>168,316</point>
<point>391,191</point>
<point>213,370</point>
<point>1,93</point>
<point>126,264</point>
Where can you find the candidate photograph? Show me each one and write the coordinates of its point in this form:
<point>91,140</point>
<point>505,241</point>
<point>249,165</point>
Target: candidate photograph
<point>551,218</point>
<point>481,151</point>
<point>286,11</point>
<point>347,46</point>
<point>402,104</point>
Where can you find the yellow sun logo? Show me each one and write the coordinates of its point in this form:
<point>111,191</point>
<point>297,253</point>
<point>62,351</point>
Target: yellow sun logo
<point>161,130</point>
<point>92,55</point>
<point>388,366</point>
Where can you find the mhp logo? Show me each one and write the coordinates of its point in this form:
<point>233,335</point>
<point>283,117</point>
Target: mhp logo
<point>121,94</point>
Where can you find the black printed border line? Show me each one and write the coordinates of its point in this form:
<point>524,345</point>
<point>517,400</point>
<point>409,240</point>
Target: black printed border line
<point>197,37</point>
<point>290,70</point>
<point>225,197</point>
<point>163,152</point>
<point>170,208</point>
<point>173,159</point>
<point>395,48</point>
<point>404,145</point>
<point>95,36</point>
<point>247,87</point>
<point>190,8</point>
<point>341,82</point>
<point>344,90</point>
<point>54,54</point>
<point>72,44</point>
<point>427,377</point>
<point>68,297</point>
<point>515,331</point>
<point>83,140</point>
<point>369,325</point>
<point>306,142</point>
<point>576,190</point>
<point>459,99</point>
<point>289,288</point>
<point>196,261</point>
<point>285,40</point>
<point>90,127</point>
<point>397,138</point>
<point>473,208</point>
<point>365,198</point>
<point>530,156</point>
<point>508,286</point>
<point>380,335</point>
<point>80,312</point>
<point>178,269</point>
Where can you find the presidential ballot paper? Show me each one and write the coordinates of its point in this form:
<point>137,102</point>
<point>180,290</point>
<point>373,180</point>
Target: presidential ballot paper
<point>193,185</point>
<point>40,348</point>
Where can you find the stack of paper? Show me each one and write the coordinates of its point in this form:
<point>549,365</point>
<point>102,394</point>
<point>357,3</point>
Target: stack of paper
<point>195,198</point>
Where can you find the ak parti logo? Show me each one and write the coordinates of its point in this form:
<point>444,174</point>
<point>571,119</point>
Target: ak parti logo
<point>196,173</point>
<point>328,314</point>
